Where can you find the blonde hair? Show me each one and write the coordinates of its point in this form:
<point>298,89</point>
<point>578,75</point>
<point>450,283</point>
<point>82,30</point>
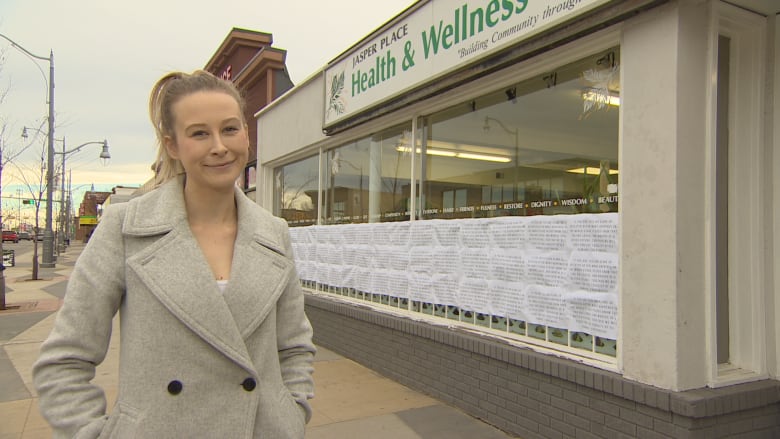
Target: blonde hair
<point>167,92</point>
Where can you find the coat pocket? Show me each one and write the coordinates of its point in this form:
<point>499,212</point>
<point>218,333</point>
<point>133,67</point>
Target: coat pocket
<point>294,416</point>
<point>121,424</point>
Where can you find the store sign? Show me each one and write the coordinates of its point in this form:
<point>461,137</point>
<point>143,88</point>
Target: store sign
<point>87,220</point>
<point>439,37</point>
<point>227,74</point>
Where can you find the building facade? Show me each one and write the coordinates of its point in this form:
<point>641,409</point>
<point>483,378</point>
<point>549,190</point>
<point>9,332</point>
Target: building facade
<point>559,216</point>
<point>90,209</point>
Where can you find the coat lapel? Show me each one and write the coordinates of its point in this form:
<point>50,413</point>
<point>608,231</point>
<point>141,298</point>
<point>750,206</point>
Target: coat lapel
<point>175,271</point>
<point>260,270</point>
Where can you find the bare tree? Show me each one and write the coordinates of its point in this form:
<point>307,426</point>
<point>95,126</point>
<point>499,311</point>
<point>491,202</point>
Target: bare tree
<point>35,185</point>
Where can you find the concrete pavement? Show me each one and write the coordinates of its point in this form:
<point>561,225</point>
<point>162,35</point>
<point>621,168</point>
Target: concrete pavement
<point>351,401</point>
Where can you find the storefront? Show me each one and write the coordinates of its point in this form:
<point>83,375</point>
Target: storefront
<point>556,215</point>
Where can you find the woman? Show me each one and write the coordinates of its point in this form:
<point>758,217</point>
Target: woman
<point>214,339</point>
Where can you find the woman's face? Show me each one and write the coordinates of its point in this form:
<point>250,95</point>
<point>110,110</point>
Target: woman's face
<point>210,140</point>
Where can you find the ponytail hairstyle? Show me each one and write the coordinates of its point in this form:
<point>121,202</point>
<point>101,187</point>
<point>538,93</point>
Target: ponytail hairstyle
<point>165,94</point>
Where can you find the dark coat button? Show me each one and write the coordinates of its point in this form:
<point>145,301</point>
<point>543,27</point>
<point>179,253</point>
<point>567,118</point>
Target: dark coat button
<point>249,384</point>
<point>174,387</point>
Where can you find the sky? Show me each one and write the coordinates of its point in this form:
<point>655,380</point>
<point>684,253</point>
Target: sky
<point>108,54</point>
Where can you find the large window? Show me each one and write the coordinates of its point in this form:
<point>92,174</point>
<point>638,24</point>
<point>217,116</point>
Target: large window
<point>547,145</point>
<point>295,192</point>
<point>368,180</point>
<point>483,239</point>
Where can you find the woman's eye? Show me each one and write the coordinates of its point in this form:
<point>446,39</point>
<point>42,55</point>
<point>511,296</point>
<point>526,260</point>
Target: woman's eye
<point>231,130</point>
<point>199,133</point>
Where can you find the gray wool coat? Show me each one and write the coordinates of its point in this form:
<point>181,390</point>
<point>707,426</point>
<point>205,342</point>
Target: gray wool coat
<point>194,363</point>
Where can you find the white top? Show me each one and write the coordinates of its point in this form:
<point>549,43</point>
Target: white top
<point>222,285</point>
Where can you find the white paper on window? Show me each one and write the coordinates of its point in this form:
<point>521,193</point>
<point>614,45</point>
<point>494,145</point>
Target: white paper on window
<point>445,260</point>
<point>399,284</point>
<point>363,278</point>
<point>349,276</point>
<point>322,272</point>
<point>507,265</point>
<point>547,268</point>
<point>471,294</point>
<point>547,232</point>
<point>446,232</point>
<point>363,255</point>
<point>508,299</point>
<point>335,235</point>
<point>505,233</point>
<point>594,271</point>
<point>474,234</point>
<point>380,282</point>
<point>546,305</point>
<point>364,235</point>
<point>475,262</point>
<point>381,234</point>
<point>399,233</point>
<point>349,234</point>
<point>397,257</point>
<point>594,233</point>
<point>559,271</point>
<point>445,289</point>
<point>349,255</point>
<point>335,275</point>
<point>421,234</point>
<point>422,260</point>
<point>302,269</point>
<point>594,313</point>
<point>421,287</point>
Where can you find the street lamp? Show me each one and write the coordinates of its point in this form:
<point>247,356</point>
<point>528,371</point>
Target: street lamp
<point>48,235</point>
<point>105,156</point>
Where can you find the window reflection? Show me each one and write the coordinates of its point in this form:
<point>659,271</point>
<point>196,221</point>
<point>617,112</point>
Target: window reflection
<point>368,180</point>
<point>294,185</point>
<point>547,145</point>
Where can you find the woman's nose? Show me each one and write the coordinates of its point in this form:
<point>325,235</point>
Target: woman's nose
<point>218,147</point>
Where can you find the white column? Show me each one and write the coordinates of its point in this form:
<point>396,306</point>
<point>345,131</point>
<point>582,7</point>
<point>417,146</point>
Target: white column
<point>662,183</point>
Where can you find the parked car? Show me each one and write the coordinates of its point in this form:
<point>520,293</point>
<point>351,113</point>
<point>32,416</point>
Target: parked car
<point>10,235</point>
<point>39,236</point>
<point>24,235</point>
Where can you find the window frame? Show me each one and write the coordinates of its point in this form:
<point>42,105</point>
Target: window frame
<point>747,173</point>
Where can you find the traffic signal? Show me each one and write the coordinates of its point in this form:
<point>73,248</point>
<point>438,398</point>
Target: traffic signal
<point>28,202</point>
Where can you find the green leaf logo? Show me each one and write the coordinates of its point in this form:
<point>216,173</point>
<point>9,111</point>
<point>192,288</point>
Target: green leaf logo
<point>336,100</point>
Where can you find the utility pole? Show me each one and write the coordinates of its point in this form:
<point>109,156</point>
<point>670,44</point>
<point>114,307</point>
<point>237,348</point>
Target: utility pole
<point>48,235</point>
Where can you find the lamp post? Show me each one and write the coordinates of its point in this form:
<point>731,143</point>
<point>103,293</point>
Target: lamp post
<point>2,261</point>
<point>48,235</point>
<point>105,155</point>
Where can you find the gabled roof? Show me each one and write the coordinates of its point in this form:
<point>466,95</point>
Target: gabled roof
<point>235,39</point>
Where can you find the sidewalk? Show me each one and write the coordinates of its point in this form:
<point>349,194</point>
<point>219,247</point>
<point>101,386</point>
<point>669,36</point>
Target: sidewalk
<point>351,401</point>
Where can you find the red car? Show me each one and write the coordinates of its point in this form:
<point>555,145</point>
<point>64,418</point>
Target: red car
<point>10,235</point>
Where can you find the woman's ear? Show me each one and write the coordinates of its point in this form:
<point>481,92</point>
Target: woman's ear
<point>171,147</point>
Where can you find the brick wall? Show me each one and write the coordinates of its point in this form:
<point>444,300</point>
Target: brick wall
<point>534,395</point>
